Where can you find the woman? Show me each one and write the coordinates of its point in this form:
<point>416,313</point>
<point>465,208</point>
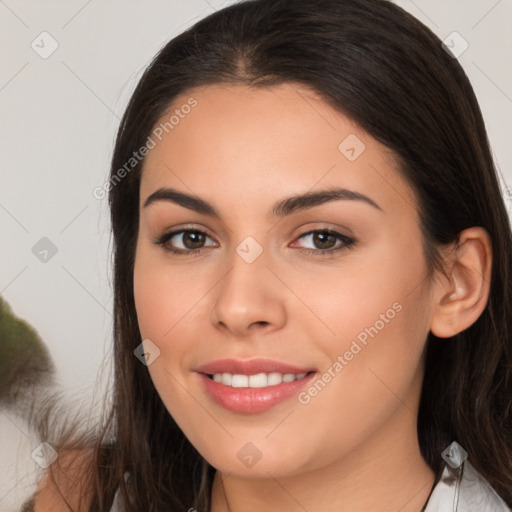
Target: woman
<point>312,276</point>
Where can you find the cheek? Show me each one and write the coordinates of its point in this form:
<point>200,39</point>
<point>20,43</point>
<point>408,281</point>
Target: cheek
<point>372,370</point>
<point>150,300</point>
<point>376,318</point>
<point>164,296</point>
<point>343,305</point>
<point>164,306</point>
<point>351,297</point>
<point>167,304</point>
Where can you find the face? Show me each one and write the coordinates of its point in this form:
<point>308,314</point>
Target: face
<point>335,286</point>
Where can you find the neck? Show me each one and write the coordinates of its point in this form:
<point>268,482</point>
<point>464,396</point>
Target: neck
<point>387,474</point>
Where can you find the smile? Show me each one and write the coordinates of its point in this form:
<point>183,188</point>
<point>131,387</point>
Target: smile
<point>253,394</point>
<point>259,380</point>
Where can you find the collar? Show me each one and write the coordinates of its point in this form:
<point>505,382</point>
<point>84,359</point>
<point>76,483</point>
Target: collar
<point>463,489</point>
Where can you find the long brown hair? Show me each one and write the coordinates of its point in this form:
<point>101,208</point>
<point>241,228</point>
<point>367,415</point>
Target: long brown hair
<point>384,69</point>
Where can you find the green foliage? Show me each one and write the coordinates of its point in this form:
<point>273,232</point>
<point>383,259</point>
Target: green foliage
<point>24,359</point>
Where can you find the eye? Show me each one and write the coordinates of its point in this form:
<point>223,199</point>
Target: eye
<point>191,241</point>
<point>326,241</point>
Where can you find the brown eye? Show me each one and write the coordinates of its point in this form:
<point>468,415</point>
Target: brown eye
<point>193,239</point>
<point>326,241</point>
<point>184,241</point>
<point>323,240</point>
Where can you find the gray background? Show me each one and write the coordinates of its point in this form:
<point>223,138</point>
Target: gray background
<point>58,120</point>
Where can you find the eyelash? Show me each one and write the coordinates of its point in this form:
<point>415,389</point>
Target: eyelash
<point>348,242</point>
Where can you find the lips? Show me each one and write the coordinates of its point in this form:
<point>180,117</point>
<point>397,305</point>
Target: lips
<point>252,400</point>
<point>251,367</point>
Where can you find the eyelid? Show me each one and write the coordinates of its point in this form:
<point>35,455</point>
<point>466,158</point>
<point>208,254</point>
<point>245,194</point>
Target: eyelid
<point>323,226</point>
<point>186,227</point>
<point>170,233</point>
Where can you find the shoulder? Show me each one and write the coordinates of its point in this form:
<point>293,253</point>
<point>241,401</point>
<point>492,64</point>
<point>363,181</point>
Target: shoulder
<point>65,485</point>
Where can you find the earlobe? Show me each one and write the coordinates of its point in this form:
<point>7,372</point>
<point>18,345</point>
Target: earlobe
<point>461,296</point>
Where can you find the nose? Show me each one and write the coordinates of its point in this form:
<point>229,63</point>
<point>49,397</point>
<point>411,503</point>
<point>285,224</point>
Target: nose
<point>249,298</point>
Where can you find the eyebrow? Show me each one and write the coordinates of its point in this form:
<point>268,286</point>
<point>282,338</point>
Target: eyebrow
<point>280,209</point>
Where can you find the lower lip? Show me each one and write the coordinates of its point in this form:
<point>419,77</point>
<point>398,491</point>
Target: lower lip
<point>252,400</point>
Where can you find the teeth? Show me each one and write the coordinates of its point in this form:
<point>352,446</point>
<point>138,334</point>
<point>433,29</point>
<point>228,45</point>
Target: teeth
<point>260,380</point>
<point>239,381</point>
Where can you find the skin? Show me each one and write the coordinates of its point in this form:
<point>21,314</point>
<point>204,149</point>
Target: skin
<point>354,446</point>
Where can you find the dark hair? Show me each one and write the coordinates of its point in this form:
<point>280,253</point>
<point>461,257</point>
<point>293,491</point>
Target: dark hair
<point>378,65</point>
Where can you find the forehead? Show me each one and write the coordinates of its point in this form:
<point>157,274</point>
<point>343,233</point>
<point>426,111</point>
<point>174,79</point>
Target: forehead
<point>246,142</point>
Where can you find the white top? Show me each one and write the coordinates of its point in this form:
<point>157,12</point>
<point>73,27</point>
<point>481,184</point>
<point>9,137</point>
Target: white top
<point>464,490</point>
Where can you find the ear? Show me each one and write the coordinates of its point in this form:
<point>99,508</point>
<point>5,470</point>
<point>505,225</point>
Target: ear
<point>461,295</point>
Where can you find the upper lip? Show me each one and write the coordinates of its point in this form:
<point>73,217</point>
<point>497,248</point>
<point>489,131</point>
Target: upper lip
<point>250,367</point>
